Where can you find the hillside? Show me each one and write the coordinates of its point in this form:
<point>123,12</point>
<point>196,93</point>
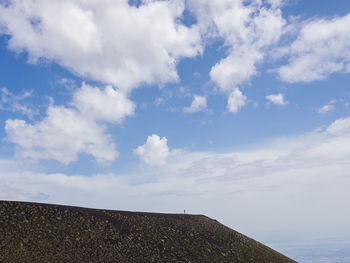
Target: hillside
<point>31,232</point>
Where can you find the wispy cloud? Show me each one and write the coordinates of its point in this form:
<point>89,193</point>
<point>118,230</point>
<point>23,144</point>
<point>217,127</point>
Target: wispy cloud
<point>326,108</point>
<point>15,103</point>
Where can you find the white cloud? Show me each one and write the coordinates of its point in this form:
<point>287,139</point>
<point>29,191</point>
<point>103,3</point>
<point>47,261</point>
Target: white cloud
<point>14,103</point>
<point>340,126</point>
<point>277,99</point>
<point>103,105</point>
<point>66,132</point>
<point>235,69</point>
<point>199,103</point>
<point>247,29</point>
<point>332,105</point>
<point>91,39</point>
<point>276,3</point>
<point>155,152</point>
<point>167,94</point>
<point>326,108</point>
<point>236,100</point>
<point>61,135</point>
<point>108,41</point>
<point>67,84</point>
<point>322,48</point>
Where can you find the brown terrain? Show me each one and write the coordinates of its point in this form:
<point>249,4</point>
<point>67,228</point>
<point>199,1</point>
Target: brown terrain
<point>32,232</point>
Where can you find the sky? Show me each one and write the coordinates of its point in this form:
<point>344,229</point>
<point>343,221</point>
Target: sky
<point>236,109</point>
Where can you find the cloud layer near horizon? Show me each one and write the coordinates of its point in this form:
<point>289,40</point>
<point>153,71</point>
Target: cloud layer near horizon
<point>295,183</point>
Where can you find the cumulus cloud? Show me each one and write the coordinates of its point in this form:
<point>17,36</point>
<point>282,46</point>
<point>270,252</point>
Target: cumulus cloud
<point>66,132</point>
<point>91,39</point>
<point>236,100</point>
<point>321,48</point>
<point>247,28</point>
<point>107,105</point>
<point>61,135</point>
<point>108,41</point>
<point>199,103</point>
<point>277,99</point>
<point>155,151</point>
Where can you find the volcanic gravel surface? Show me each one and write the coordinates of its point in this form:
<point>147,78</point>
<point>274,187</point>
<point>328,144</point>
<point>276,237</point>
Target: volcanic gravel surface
<point>32,232</point>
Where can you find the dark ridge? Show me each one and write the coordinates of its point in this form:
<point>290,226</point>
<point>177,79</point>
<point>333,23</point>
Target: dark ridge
<point>33,232</point>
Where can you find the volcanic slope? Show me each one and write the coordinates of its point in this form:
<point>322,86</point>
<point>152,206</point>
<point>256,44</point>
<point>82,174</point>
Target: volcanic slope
<point>32,232</point>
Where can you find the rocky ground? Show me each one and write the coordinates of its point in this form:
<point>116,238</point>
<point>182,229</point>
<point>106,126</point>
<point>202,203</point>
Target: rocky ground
<point>31,232</point>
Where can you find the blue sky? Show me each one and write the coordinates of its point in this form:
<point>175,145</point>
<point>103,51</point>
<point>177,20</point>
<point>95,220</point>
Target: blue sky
<point>218,107</point>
